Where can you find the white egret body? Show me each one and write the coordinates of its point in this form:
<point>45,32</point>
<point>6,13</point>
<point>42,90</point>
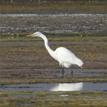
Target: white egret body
<point>64,56</point>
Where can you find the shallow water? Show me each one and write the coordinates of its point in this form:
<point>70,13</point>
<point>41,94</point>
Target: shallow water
<point>81,86</point>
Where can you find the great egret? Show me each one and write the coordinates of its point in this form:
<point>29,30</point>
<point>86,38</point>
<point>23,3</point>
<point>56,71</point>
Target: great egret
<point>64,56</point>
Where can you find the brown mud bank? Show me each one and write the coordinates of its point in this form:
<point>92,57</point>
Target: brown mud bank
<point>28,61</point>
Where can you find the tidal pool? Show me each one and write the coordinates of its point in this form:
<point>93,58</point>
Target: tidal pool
<point>80,86</point>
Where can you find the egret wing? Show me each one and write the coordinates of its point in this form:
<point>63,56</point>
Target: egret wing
<point>64,55</point>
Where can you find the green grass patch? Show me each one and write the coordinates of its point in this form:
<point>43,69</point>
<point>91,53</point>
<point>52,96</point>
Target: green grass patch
<point>53,99</point>
<point>76,37</point>
<point>13,37</point>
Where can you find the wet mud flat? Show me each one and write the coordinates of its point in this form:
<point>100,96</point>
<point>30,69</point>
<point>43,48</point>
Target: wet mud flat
<point>28,61</point>
<point>82,23</point>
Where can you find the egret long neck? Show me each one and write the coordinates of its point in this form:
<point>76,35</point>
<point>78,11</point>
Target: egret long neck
<point>51,52</point>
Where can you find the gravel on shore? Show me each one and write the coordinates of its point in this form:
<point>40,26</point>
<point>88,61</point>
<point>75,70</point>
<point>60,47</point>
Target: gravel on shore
<point>25,23</point>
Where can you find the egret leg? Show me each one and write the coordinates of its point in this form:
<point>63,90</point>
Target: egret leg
<point>72,72</point>
<point>63,72</point>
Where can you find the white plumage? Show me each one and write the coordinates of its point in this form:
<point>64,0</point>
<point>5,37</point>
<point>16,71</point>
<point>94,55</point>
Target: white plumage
<point>64,56</point>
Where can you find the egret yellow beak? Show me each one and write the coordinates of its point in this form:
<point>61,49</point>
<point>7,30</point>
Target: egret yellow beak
<point>30,35</point>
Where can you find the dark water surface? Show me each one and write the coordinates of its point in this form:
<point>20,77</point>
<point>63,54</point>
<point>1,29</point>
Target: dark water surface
<point>80,86</point>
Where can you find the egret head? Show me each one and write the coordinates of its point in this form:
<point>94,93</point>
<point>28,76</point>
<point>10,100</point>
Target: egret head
<point>36,34</point>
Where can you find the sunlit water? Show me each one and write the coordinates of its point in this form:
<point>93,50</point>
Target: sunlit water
<point>89,86</point>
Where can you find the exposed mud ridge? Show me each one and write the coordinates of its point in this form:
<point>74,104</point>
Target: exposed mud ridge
<point>24,23</point>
